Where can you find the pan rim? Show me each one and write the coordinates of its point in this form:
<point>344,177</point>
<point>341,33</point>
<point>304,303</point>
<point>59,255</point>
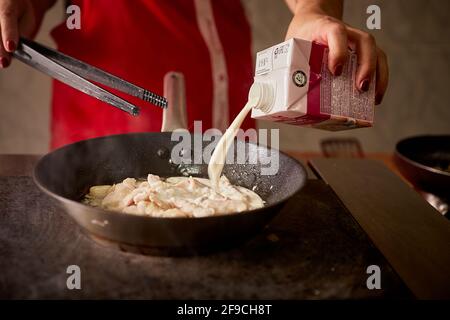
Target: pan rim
<point>403,157</point>
<point>140,217</point>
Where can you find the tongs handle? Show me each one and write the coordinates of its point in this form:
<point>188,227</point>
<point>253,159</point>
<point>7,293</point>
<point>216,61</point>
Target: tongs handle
<point>175,117</point>
<point>76,74</point>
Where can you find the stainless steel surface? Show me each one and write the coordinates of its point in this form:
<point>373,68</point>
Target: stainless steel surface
<point>439,203</point>
<point>77,74</point>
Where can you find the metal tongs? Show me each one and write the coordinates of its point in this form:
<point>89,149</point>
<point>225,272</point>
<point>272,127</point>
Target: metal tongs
<point>76,74</point>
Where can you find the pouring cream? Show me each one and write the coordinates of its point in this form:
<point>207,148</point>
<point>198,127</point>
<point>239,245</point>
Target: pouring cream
<point>260,96</point>
<point>188,197</point>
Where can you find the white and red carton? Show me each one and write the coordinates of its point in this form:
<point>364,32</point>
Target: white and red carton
<point>305,93</point>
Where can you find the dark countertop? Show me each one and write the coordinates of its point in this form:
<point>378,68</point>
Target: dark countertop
<point>314,249</point>
<point>17,165</point>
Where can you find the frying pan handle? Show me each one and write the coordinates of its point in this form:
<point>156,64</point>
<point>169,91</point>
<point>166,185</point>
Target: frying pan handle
<point>174,116</point>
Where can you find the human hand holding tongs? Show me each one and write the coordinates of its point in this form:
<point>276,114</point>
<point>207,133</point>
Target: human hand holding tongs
<point>77,74</point>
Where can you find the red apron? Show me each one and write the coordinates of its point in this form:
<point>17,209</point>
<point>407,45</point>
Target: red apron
<point>140,41</point>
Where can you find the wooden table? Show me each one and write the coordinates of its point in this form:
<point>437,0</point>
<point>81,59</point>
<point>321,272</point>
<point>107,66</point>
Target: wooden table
<point>313,249</point>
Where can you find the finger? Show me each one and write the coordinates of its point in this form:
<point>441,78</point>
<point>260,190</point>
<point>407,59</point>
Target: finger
<point>9,22</point>
<point>367,57</point>
<point>338,45</point>
<point>382,76</point>
<point>27,24</point>
<point>5,58</point>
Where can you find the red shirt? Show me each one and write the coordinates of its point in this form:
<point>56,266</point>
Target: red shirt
<point>140,41</point>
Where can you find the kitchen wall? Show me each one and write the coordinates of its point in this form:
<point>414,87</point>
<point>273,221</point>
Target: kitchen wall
<point>414,34</point>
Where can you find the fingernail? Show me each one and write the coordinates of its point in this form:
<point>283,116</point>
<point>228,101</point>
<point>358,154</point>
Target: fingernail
<point>338,70</point>
<point>378,98</point>
<point>10,45</point>
<point>364,86</point>
<point>4,62</point>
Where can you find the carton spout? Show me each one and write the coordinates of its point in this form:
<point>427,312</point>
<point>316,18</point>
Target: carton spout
<point>262,96</point>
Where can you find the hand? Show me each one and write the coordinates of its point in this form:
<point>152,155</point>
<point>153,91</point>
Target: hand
<point>17,17</point>
<point>322,28</point>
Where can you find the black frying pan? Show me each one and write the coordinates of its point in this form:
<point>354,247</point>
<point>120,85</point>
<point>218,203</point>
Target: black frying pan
<point>423,160</point>
<point>67,174</point>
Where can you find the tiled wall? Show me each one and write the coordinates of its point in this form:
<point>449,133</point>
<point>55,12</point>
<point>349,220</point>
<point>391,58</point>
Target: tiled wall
<point>414,34</point>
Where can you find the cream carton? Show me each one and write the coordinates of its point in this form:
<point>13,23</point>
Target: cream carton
<point>303,92</point>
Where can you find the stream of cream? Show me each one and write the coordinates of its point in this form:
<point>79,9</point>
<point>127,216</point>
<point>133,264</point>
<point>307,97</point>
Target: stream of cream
<point>218,157</point>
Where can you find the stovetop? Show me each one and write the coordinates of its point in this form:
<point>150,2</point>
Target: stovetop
<point>313,249</point>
